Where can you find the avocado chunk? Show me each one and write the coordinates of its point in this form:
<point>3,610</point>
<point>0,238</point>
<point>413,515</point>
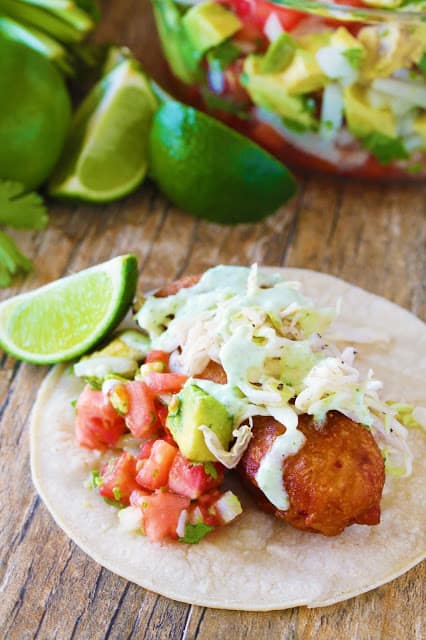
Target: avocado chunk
<point>208,24</point>
<point>190,409</point>
<point>303,75</point>
<point>269,91</point>
<point>183,59</point>
<point>362,118</point>
<point>279,54</point>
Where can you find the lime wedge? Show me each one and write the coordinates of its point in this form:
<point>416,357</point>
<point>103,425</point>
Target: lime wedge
<point>105,157</point>
<point>213,172</point>
<point>64,319</point>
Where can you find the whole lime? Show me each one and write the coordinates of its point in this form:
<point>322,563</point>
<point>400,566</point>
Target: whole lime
<point>213,172</point>
<point>35,113</point>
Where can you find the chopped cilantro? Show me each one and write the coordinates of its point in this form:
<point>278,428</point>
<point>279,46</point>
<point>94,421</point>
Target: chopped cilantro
<point>214,101</point>
<point>294,126</point>
<point>95,383</point>
<point>113,503</point>
<point>221,57</point>
<point>422,63</point>
<point>95,479</point>
<point>12,261</point>
<point>384,148</point>
<point>354,57</point>
<point>414,168</point>
<point>116,493</point>
<point>19,209</point>
<point>210,469</point>
<point>195,532</point>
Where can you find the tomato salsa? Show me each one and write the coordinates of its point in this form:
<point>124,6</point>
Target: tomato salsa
<point>158,490</point>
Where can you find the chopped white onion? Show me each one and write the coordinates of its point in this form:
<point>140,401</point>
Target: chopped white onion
<point>273,27</point>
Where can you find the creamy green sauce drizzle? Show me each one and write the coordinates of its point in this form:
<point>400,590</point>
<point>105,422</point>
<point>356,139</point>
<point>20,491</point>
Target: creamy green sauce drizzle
<point>265,334</point>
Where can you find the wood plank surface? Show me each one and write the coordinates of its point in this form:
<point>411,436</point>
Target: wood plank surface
<point>371,235</point>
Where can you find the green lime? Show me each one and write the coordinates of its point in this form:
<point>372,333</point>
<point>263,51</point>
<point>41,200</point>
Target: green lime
<point>35,113</point>
<point>64,319</point>
<point>105,157</point>
<point>212,171</point>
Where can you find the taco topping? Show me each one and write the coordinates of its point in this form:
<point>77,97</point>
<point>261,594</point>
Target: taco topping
<point>237,369</point>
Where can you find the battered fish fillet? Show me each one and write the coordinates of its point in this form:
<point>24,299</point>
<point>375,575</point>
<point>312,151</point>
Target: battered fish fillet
<point>335,480</point>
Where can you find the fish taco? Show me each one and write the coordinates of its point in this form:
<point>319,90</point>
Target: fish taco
<point>256,441</point>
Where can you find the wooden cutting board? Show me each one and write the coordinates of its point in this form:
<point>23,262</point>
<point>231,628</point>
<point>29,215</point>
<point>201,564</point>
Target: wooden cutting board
<point>373,235</point>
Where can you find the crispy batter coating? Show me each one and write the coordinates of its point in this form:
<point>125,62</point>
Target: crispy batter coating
<point>174,287</point>
<point>335,480</point>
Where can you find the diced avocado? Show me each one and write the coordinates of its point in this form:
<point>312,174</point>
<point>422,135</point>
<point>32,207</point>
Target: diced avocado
<point>268,90</point>
<point>279,54</point>
<point>183,59</point>
<point>390,47</point>
<point>419,126</point>
<point>208,24</point>
<point>303,74</point>
<point>189,410</point>
<point>312,42</point>
<point>362,118</point>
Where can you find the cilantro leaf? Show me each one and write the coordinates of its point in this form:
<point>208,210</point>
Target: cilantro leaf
<point>422,63</point>
<point>19,209</point>
<point>194,532</point>
<point>96,479</point>
<point>221,56</point>
<point>385,148</point>
<point>210,469</point>
<point>116,493</point>
<point>354,57</point>
<point>12,261</point>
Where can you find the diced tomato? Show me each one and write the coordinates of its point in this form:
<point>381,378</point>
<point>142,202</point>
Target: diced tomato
<point>119,478</point>
<point>145,450</point>
<point>137,496</point>
<point>158,356</point>
<point>162,413</point>
<point>254,13</point>
<point>154,472</point>
<point>98,425</point>
<point>164,382</point>
<point>161,512</point>
<point>141,417</point>
<point>191,479</point>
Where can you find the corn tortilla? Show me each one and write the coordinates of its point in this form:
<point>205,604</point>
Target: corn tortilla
<point>256,563</point>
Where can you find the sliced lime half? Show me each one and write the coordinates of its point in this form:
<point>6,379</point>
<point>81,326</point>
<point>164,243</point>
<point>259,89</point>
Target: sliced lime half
<point>64,319</point>
<point>105,157</point>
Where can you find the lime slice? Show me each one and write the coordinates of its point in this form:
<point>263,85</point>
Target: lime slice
<point>64,319</point>
<point>211,171</point>
<point>105,157</point>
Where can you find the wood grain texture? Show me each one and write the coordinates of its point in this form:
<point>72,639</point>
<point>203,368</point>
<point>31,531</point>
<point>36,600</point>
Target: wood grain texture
<point>372,235</point>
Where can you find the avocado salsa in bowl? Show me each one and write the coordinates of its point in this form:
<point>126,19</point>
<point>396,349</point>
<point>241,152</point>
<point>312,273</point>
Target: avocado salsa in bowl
<point>339,87</point>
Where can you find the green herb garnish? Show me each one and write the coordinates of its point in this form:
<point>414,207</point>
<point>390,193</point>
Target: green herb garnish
<point>354,57</point>
<point>195,532</point>
<point>385,148</point>
<point>116,493</point>
<point>96,479</point>
<point>210,469</point>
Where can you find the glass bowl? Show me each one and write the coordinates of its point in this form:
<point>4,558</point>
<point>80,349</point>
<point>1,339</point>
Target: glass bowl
<point>334,87</point>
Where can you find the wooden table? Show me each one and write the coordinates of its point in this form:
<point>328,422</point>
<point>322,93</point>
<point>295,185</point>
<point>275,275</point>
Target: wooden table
<point>371,235</point>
